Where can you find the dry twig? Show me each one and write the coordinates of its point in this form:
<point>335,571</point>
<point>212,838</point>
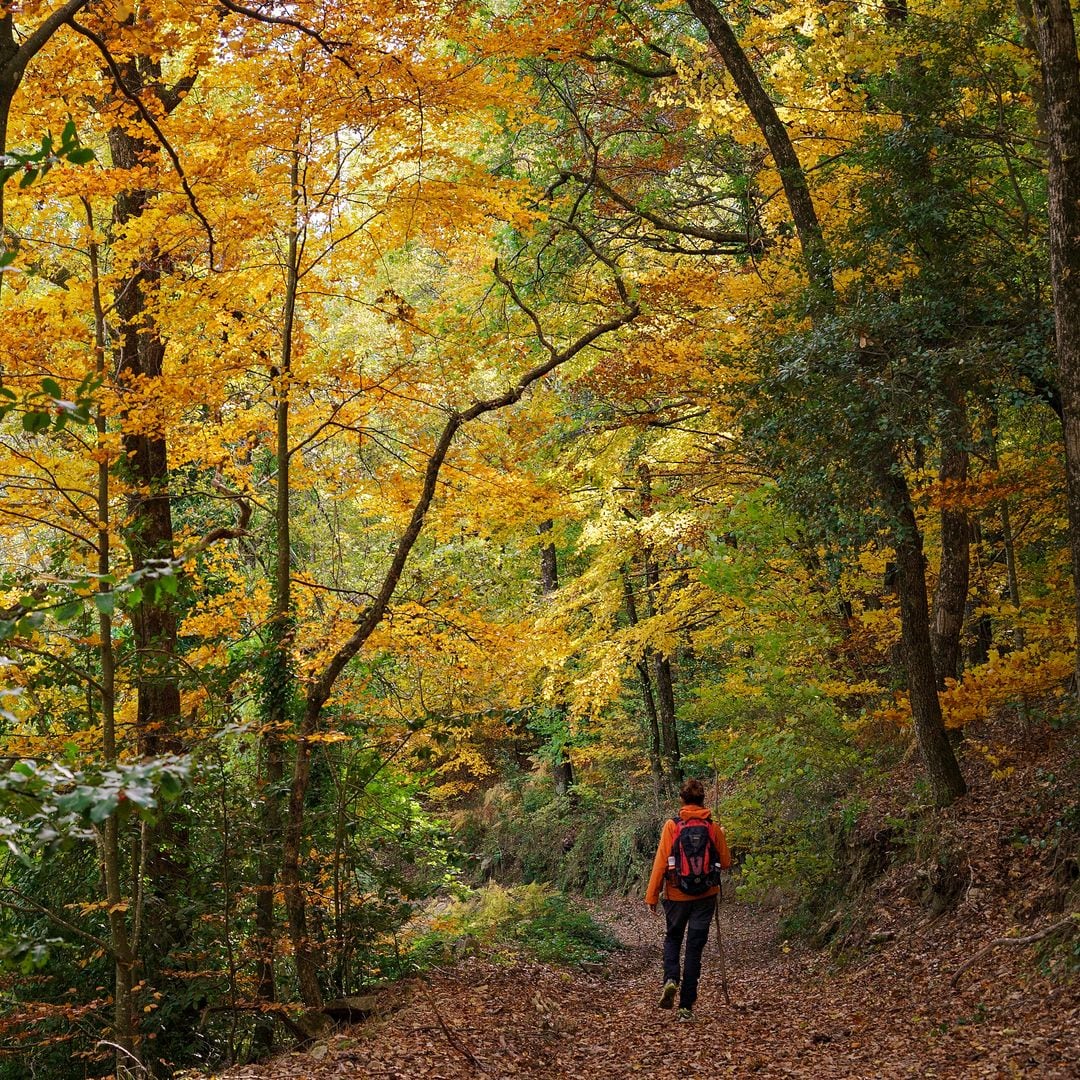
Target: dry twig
<point>1070,921</point>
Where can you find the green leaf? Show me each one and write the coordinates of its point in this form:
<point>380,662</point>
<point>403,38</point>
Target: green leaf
<point>70,134</point>
<point>29,623</point>
<point>105,602</point>
<point>28,177</point>
<point>140,795</point>
<point>51,387</point>
<point>170,785</point>
<point>104,808</point>
<point>66,612</point>
<point>36,421</point>
<point>83,156</point>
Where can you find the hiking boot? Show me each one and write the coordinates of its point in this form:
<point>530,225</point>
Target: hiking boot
<point>685,1016</point>
<point>667,995</point>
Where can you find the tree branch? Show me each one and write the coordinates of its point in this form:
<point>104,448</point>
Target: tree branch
<point>148,117</point>
<point>665,72</point>
<point>39,909</point>
<point>699,232</point>
<point>329,47</point>
<point>320,689</point>
<point>1072,920</point>
<point>14,68</point>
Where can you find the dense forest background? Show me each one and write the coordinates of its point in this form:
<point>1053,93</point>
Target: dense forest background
<point>431,430</point>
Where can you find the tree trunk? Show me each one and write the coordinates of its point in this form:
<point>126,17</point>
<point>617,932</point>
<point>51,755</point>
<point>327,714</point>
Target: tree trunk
<point>280,674</point>
<point>648,700</point>
<point>946,781</point>
<point>661,664</point>
<point>669,729</point>
<point>148,535</point>
<point>149,529</point>
<point>305,954</point>
<point>562,768</point>
<point>277,687</point>
<point>124,948</point>
<point>1056,36</point>
<point>945,778</point>
<point>1008,540</point>
<point>772,128</point>
<point>950,597</point>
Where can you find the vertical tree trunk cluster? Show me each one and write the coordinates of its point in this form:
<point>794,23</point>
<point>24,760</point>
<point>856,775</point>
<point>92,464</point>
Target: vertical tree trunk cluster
<point>1055,34</point>
<point>648,698</point>
<point>562,768</point>
<point>942,768</point>
<point>660,661</point>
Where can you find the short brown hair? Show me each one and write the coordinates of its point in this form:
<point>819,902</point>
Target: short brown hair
<point>693,793</point>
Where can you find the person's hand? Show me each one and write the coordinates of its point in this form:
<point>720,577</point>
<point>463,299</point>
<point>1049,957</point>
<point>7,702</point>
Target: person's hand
<point>652,908</point>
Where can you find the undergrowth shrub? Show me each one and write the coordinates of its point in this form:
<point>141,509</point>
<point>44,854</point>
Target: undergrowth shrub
<point>502,922</point>
<point>785,760</point>
<point>593,844</point>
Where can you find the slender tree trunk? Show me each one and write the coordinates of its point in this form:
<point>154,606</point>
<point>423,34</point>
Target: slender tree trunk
<point>562,768</point>
<point>945,778</point>
<point>950,597</point>
<point>278,676</point>
<point>128,1057</point>
<point>661,663</point>
<point>275,688</point>
<point>946,781</point>
<point>668,725</point>
<point>648,700</point>
<point>1056,37</point>
<point>304,952</point>
<point>1008,540</point>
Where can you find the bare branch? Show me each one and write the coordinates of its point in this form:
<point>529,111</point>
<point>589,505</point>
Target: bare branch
<point>328,47</point>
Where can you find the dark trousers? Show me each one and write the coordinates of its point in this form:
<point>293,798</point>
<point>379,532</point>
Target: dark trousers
<point>690,918</point>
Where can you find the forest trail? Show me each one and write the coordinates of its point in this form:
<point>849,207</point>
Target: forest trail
<point>891,1015</point>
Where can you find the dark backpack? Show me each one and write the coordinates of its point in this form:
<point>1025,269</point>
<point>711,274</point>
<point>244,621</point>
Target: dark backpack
<point>697,862</point>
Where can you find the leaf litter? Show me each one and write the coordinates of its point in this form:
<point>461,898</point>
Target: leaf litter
<point>794,1013</point>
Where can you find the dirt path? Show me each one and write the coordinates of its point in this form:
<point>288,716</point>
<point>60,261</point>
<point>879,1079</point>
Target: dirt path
<point>891,1016</point>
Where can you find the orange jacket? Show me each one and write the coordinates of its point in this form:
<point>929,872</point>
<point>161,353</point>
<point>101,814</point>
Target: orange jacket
<point>667,838</point>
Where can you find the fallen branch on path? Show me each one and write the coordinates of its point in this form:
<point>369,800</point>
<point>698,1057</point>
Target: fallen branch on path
<point>1070,921</point>
<point>451,1036</point>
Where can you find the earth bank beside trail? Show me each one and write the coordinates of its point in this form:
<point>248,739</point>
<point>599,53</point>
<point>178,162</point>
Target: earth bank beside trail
<point>793,1014</point>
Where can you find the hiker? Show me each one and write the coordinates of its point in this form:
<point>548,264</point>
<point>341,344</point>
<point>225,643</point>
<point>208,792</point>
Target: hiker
<point>692,852</point>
